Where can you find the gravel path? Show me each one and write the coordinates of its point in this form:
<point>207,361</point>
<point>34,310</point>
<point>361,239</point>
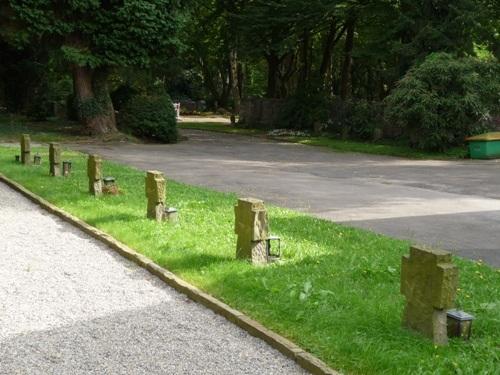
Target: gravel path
<point>70,305</point>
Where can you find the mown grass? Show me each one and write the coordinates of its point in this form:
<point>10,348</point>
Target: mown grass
<point>390,148</point>
<point>12,126</point>
<point>52,130</point>
<point>336,293</point>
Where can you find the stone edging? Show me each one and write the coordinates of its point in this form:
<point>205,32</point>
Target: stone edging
<point>306,360</point>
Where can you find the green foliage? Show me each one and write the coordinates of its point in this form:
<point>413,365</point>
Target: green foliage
<point>356,118</point>
<point>94,106</point>
<point>122,95</point>
<point>40,107</point>
<point>95,33</point>
<point>151,117</point>
<point>335,293</point>
<point>303,110</point>
<point>445,99</point>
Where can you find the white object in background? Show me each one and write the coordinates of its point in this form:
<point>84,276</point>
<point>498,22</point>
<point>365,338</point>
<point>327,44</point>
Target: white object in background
<point>177,107</point>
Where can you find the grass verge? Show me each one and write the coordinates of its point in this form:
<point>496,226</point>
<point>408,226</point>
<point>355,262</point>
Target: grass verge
<point>391,148</point>
<point>336,293</point>
<point>12,126</point>
<point>52,130</point>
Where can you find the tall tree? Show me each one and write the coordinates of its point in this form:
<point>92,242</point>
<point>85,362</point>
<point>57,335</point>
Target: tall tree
<point>94,36</point>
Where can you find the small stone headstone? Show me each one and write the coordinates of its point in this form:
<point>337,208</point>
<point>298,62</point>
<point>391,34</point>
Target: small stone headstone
<point>94,172</point>
<point>25,149</point>
<point>55,159</point>
<point>155,192</point>
<point>429,282</point>
<point>251,227</point>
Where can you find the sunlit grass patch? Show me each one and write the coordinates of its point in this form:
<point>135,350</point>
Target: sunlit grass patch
<point>336,292</point>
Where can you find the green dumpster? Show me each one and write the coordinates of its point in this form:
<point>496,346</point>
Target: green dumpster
<point>484,146</point>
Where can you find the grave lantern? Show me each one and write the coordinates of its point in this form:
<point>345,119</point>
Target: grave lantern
<point>171,214</point>
<point>66,168</point>
<point>269,241</point>
<point>109,181</point>
<point>37,159</point>
<point>459,324</point>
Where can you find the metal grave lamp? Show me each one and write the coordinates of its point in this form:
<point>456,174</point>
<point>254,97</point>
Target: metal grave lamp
<point>18,158</point>
<point>459,324</point>
<point>270,254</point>
<point>171,214</point>
<point>37,159</point>
<point>66,168</point>
<point>109,181</point>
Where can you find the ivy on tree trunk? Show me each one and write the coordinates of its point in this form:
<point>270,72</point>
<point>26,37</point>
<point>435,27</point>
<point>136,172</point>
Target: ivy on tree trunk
<point>94,107</point>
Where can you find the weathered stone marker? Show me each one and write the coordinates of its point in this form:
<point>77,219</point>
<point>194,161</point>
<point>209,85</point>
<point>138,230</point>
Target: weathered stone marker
<point>155,192</point>
<point>429,282</point>
<point>94,172</point>
<point>252,227</point>
<point>55,159</point>
<point>25,149</point>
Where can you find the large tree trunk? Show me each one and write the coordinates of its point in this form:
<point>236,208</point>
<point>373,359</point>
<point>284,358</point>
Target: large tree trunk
<point>345,80</point>
<point>334,34</point>
<point>94,107</point>
<point>273,64</point>
<point>235,92</point>
<point>304,59</point>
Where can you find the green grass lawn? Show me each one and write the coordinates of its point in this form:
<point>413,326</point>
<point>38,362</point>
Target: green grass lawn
<point>391,148</point>
<point>12,126</point>
<point>51,130</point>
<point>336,293</point>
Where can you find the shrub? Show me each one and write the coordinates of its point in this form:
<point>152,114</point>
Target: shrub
<point>303,110</point>
<point>122,95</point>
<point>444,99</point>
<point>39,107</point>
<point>150,117</point>
<point>356,118</point>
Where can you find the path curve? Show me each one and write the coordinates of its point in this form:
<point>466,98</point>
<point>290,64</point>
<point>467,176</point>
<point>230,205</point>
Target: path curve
<point>71,305</point>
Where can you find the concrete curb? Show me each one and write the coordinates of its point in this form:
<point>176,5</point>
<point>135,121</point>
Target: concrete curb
<point>285,346</point>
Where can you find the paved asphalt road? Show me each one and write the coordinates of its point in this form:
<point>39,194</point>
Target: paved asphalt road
<point>452,205</point>
<point>70,305</point>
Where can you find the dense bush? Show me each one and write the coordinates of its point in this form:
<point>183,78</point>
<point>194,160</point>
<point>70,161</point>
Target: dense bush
<point>39,107</point>
<point>358,119</point>
<point>445,99</point>
<point>122,95</point>
<point>303,110</point>
<point>150,117</point>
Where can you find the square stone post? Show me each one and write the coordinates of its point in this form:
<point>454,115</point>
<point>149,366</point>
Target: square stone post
<point>155,192</point>
<point>55,159</point>
<point>251,227</point>
<point>25,149</point>
<point>94,172</point>
<point>429,282</point>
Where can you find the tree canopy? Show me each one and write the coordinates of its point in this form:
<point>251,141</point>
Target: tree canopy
<point>92,36</point>
<point>340,56</point>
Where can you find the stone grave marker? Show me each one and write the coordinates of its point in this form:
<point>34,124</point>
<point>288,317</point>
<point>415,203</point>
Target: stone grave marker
<point>55,159</point>
<point>94,172</point>
<point>429,282</point>
<point>251,227</point>
<point>155,192</point>
<point>25,149</point>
